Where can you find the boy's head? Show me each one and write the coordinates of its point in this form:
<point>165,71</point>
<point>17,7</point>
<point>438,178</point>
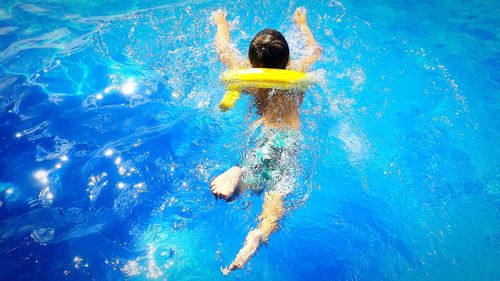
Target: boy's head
<point>269,49</point>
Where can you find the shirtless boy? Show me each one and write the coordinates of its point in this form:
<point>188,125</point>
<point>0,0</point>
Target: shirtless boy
<point>270,166</point>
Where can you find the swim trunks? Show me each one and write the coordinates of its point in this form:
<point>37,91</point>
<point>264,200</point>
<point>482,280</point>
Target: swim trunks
<point>273,162</point>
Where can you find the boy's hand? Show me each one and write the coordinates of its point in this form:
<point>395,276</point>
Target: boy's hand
<point>219,17</point>
<point>299,17</point>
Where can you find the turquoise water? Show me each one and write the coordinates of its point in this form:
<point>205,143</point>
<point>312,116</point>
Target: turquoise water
<point>110,133</point>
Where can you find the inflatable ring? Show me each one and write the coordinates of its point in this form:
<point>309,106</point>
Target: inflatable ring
<point>261,78</point>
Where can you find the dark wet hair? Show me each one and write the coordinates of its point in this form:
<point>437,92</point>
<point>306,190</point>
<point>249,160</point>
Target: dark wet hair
<point>269,49</point>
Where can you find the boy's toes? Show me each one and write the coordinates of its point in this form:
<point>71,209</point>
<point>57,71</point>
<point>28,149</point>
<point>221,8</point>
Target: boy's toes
<point>215,192</point>
<point>225,271</point>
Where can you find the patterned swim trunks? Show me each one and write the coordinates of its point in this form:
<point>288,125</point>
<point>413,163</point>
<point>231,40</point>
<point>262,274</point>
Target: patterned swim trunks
<point>273,162</point>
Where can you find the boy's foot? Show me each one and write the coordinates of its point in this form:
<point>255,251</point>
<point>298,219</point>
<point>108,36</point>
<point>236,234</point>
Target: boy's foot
<point>227,184</point>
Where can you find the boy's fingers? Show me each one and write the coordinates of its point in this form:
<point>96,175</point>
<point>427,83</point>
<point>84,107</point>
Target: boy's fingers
<point>220,12</point>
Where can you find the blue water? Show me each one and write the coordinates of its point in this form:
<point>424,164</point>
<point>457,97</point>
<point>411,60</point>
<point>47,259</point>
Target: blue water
<point>110,133</point>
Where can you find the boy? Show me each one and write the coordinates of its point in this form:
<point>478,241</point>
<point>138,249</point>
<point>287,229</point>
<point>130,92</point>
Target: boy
<point>272,163</point>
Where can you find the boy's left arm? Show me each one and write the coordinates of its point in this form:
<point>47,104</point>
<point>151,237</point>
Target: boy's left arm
<point>303,64</point>
<point>227,53</point>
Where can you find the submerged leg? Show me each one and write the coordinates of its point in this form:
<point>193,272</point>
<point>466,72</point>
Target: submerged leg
<point>273,210</point>
<point>228,184</point>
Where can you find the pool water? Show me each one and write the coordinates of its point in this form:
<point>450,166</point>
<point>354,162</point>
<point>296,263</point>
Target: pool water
<point>110,133</point>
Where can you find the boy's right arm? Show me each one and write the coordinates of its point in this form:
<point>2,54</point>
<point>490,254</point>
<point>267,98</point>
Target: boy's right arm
<point>303,64</point>
<point>227,53</point>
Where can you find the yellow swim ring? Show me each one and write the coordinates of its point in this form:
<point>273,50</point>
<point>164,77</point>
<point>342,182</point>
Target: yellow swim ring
<point>262,78</point>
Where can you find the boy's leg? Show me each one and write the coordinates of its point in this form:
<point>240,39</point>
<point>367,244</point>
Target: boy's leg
<point>273,210</point>
<point>228,184</point>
